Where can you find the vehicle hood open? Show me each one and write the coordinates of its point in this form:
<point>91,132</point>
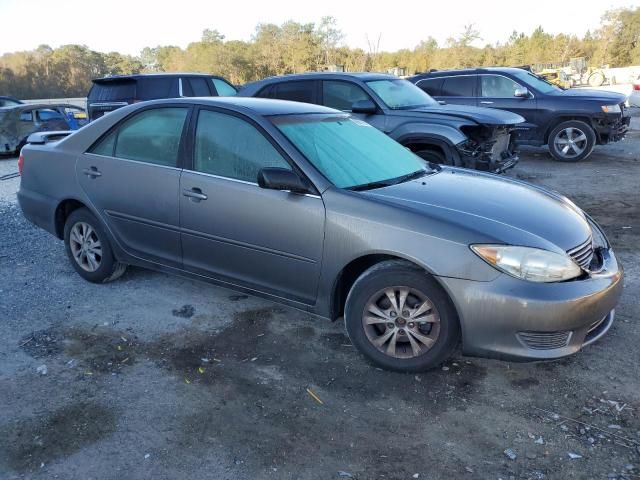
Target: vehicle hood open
<point>508,210</point>
<point>481,115</point>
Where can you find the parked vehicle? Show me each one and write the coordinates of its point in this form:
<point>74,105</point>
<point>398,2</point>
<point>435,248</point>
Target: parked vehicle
<point>469,137</point>
<point>110,93</point>
<point>9,102</point>
<point>312,208</point>
<point>571,122</point>
<point>18,122</point>
<point>634,98</point>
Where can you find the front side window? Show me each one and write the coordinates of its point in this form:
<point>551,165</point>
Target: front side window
<point>151,136</point>
<point>230,147</point>
<point>461,86</point>
<point>223,88</point>
<point>401,94</point>
<point>341,95</point>
<point>350,153</point>
<point>497,86</point>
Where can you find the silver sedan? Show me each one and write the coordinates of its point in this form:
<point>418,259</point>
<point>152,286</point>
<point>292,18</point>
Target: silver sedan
<point>311,208</point>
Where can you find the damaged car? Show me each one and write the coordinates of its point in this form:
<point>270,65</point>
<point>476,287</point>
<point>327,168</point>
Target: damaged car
<point>461,136</point>
<point>19,121</point>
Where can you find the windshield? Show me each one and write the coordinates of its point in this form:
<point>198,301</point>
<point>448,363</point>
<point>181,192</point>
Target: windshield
<point>349,152</point>
<point>537,82</point>
<point>401,94</point>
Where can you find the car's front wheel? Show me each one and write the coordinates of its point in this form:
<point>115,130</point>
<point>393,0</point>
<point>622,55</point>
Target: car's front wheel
<point>571,141</point>
<point>88,248</point>
<point>400,318</point>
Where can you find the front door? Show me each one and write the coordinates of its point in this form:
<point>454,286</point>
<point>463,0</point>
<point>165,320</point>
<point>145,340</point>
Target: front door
<point>235,231</point>
<point>497,91</point>
<point>131,178</point>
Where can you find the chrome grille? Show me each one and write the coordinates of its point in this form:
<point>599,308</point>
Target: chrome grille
<point>583,253</point>
<point>545,340</point>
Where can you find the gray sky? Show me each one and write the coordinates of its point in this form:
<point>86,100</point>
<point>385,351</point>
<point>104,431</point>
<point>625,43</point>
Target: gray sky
<point>127,26</point>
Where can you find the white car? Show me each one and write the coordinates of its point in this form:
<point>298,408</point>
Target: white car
<point>634,98</point>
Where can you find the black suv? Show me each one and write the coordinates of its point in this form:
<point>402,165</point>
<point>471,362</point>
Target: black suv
<point>469,137</point>
<point>110,93</point>
<point>570,121</point>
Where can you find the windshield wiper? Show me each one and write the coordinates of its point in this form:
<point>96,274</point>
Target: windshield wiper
<point>391,181</point>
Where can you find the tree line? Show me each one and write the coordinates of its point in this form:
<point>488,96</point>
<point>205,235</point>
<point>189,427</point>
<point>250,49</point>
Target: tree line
<point>298,47</point>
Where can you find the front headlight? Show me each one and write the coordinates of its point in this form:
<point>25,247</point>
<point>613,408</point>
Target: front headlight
<point>532,264</point>
<point>611,108</point>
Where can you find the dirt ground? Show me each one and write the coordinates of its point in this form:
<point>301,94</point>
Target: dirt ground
<point>159,377</point>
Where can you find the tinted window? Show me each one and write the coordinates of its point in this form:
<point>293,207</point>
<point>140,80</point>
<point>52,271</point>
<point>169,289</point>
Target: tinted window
<point>230,147</point>
<point>341,95</point>
<point>461,86</point>
<point>151,136</point>
<point>431,86</point>
<point>156,87</point>
<point>294,91</point>
<point>199,86</point>
<point>47,114</point>
<point>399,94</point>
<point>497,86</point>
<point>112,91</point>
<point>223,88</point>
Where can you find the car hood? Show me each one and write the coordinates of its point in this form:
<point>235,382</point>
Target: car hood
<point>500,209</point>
<point>487,116</point>
<point>604,96</point>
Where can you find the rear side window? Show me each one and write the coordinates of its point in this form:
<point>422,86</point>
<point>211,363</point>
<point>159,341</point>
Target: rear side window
<point>223,88</point>
<point>112,91</point>
<point>431,85</point>
<point>461,86</point>
<point>151,136</point>
<point>342,95</point>
<point>152,88</point>
<point>230,147</point>
<point>304,91</point>
<point>26,116</point>
<point>198,87</point>
<point>497,86</point>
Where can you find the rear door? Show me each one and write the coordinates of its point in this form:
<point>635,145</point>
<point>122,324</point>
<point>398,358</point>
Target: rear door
<point>497,91</point>
<point>237,232</point>
<point>131,177</point>
<point>459,90</point>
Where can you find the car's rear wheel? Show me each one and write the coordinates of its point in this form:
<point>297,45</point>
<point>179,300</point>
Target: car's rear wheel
<point>571,141</point>
<point>400,318</point>
<point>88,248</point>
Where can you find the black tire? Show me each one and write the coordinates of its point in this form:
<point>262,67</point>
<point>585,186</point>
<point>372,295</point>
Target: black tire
<point>403,274</point>
<point>563,132</point>
<point>433,156</point>
<point>108,268</point>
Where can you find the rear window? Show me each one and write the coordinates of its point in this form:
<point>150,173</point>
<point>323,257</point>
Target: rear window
<point>112,91</point>
<point>158,87</point>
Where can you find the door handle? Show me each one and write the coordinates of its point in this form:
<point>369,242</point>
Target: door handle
<point>486,103</point>
<point>195,194</point>
<point>92,172</point>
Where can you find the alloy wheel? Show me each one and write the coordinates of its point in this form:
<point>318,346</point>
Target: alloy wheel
<point>401,322</point>
<point>85,246</point>
<point>570,142</point>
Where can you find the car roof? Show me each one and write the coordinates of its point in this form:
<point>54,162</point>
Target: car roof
<point>261,106</point>
<point>468,71</point>
<point>33,106</point>
<point>135,76</point>
<point>364,76</point>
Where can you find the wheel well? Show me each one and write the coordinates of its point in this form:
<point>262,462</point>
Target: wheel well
<point>559,120</point>
<point>350,274</point>
<point>62,213</point>
<point>416,146</point>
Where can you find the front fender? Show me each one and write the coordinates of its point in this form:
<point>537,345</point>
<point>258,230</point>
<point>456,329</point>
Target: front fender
<point>408,132</point>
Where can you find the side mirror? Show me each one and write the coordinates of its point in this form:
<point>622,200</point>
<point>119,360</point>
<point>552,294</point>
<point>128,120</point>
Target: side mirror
<point>521,93</point>
<point>364,106</point>
<point>282,179</point>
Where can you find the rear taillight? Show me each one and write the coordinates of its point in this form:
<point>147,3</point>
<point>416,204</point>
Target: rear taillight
<point>636,86</point>
<point>20,163</point>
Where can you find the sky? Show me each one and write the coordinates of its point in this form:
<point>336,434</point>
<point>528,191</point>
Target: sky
<point>127,26</point>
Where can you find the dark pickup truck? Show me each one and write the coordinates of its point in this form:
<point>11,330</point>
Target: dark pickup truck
<point>463,136</point>
<point>571,122</point>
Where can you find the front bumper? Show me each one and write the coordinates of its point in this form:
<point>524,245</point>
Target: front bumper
<point>612,128</point>
<point>517,320</point>
<point>496,154</point>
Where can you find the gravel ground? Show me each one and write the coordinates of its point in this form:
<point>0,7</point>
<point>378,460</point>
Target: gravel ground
<point>155,376</point>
